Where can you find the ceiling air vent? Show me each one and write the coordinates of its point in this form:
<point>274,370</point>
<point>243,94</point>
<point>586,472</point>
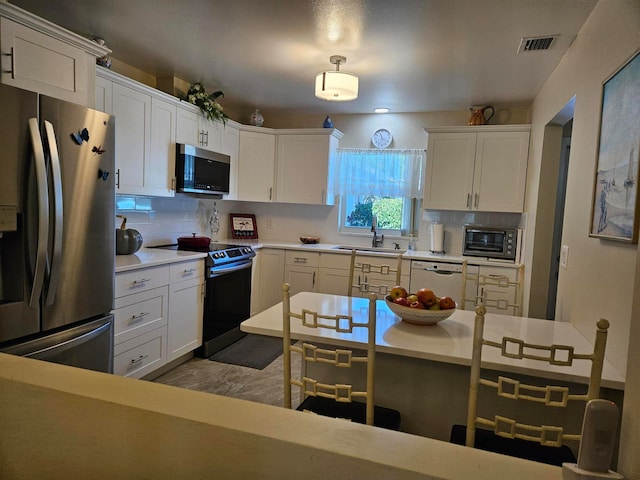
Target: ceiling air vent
<point>532,44</point>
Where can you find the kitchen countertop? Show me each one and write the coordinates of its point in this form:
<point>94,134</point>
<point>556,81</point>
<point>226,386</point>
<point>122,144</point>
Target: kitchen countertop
<point>148,256</point>
<point>408,254</point>
<point>449,341</point>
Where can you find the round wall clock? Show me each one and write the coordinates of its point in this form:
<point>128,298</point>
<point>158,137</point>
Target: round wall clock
<point>381,138</point>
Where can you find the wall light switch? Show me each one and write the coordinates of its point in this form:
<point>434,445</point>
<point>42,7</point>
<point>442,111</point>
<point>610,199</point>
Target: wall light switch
<point>270,223</point>
<point>564,256</point>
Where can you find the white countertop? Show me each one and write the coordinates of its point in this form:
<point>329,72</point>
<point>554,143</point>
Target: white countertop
<point>408,254</point>
<point>149,257</point>
<point>449,341</point>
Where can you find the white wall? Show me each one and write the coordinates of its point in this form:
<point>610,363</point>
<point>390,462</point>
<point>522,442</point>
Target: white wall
<point>599,280</point>
<point>602,275</point>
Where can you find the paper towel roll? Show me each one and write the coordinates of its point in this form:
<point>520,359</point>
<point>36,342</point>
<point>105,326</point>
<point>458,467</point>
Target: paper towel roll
<point>437,237</point>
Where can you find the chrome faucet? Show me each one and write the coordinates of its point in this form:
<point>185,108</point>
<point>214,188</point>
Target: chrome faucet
<point>376,242</point>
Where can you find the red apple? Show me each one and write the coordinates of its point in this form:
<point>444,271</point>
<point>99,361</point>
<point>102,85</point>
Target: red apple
<point>416,304</point>
<point>398,292</point>
<point>447,303</point>
<point>426,297</point>
<point>401,301</point>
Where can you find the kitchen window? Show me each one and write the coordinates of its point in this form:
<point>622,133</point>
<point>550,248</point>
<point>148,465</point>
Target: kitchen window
<point>385,183</point>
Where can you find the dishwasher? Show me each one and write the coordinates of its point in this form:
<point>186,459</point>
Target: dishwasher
<point>444,278</point>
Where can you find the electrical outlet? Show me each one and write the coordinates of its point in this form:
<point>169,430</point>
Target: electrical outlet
<point>564,256</point>
<point>270,224</point>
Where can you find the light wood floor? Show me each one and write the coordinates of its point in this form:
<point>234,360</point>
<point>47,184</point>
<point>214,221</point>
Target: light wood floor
<point>263,386</point>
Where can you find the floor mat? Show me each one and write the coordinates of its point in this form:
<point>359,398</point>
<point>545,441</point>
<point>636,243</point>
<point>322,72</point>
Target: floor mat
<point>253,351</point>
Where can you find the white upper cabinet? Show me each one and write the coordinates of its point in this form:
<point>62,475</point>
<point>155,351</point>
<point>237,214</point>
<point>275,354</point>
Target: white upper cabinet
<point>477,168</point>
<point>288,166</point>
<point>303,166</point>
<point>145,135</point>
<point>256,166</point>
<point>42,57</point>
<point>194,129</point>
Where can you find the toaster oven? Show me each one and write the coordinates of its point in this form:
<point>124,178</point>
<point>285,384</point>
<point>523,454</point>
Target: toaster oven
<point>490,242</point>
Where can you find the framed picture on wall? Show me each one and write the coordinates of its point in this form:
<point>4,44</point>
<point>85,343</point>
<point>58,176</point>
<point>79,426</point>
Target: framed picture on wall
<point>614,210</point>
<point>243,225</point>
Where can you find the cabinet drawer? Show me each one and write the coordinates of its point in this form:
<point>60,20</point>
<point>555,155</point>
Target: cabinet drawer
<point>181,271</point>
<point>299,257</point>
<point>335,260</point>
<point>141,355</point>
<point>143,279</point>
<point>140,313</point>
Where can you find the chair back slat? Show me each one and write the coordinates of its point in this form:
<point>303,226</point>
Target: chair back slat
<point>510,306</point>
<point>338,357</point>
<point>361,272</point>
<point>555,396</point>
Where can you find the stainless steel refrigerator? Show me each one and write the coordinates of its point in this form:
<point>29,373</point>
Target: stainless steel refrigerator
<point>57,230</point>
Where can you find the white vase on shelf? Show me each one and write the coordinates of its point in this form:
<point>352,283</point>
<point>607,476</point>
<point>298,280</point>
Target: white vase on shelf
<point>256,118</point>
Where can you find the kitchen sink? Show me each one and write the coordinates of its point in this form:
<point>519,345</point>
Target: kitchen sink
<point>369,249</point>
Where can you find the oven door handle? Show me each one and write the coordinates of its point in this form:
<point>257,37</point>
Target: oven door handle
<point>216,273</point>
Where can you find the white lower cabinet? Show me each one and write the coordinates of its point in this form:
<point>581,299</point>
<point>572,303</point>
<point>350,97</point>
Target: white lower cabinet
<point>186,303</point>
<point>267,287</point>
<point>158,316</point>
<point>301,271</point>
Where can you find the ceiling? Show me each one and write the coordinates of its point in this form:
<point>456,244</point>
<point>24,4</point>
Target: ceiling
<point>410,55</point>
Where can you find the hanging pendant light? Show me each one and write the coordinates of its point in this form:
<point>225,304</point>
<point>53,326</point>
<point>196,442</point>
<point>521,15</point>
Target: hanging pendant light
<point>337,86</point>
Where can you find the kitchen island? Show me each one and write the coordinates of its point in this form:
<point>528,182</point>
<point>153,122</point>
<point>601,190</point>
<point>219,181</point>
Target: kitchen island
<point>423,371</point>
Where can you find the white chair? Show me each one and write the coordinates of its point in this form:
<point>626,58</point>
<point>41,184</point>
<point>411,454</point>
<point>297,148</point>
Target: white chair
<point>502,433</point>
<point>334,399</point>
<point>509,304</point>
<point>365,277</point>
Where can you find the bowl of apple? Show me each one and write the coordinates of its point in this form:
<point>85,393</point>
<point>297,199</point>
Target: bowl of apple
<point>421,308</point>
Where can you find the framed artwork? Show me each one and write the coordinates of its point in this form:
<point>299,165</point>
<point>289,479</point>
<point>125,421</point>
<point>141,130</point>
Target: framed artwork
<point>614,209</point>
<point>243,226</point>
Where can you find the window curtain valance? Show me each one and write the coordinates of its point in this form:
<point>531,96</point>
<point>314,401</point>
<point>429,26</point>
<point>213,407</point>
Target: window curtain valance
<point>383,173</point>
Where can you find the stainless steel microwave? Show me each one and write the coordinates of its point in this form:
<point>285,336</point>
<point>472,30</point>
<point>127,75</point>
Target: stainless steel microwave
<point>201,171</point>
<point>490,242</point>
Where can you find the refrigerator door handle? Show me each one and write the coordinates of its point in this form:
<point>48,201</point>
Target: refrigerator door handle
<point>56,255</point>
<point>43,213</point>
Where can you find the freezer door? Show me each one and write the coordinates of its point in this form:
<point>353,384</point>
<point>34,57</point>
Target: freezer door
<point>79,145</point>
<point>18,236</point>
<point>89,345</point>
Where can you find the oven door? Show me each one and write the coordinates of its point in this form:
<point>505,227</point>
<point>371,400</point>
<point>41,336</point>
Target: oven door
<point>227,304</point>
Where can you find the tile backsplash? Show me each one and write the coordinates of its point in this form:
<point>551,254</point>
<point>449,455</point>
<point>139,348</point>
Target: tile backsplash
<point>163,220</point>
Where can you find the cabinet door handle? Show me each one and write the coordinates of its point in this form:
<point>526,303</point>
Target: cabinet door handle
<point>300,260</point>
<point>206,138</point>
<point>314,279</point>
<point>468,200</point>
<point>189,271</point>
<point>324,197</point>
<point>139,359</point>
<point>13,63</point>
<point>476,200</point>
<point>118,179</point>
<point>139,316</point>
<point>270,192</point>
<point>141,281</point>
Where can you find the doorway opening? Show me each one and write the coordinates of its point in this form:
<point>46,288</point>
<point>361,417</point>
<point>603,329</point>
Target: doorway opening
<point>545,268</point>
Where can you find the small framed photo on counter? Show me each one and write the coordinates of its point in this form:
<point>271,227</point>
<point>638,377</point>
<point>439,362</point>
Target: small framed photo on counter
<point>243,226</point>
